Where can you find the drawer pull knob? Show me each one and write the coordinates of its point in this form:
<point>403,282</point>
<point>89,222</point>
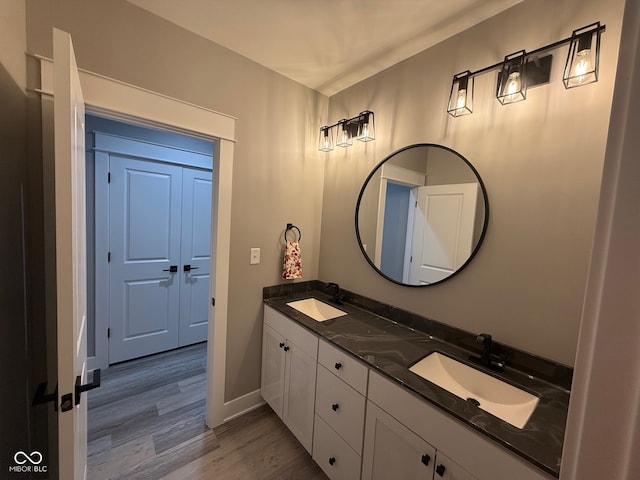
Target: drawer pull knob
<point>286,349</point>
<point>281,344</point>
<point>335,407</point>
<point>332,460</point>
<point>338,365</point>
<point>426,459</point>
<point>440,470</point>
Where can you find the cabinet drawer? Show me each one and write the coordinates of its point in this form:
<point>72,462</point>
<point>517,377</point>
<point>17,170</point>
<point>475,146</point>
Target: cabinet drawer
<point>336,458</point>
<point>341,407</point>
<point>290,330</point>
<point>344,366</point>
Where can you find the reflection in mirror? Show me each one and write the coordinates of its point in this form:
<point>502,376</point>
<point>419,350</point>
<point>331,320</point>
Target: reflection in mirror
<point>421,215</point>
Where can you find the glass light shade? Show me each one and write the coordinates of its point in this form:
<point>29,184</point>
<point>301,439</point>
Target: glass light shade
<point>461,97</point>
<point>325,142</point>
<point>344,135</point>
<point>583,57</point>
<point>512,82</point>
<point>366,126</point>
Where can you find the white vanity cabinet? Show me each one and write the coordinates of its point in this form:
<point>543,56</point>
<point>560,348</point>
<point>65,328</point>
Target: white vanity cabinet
<point>340,410</point>
<point>393,412</point>
<point>357,423</point>
<point>391,450</point>
<point>288,385</point>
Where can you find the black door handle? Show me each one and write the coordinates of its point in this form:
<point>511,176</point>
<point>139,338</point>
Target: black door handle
<point>42,397</point>
<point>188,268</point>
<point>95,383</point>
<point>335,407</point>
<point>440,470</point>
<point>332,460</point>
<point>172,269</point>
<point>426,459</point>
<point>338,366</point>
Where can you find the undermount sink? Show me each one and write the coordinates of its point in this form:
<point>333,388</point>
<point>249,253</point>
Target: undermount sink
<point>316,309</point>
<point>499,398</point>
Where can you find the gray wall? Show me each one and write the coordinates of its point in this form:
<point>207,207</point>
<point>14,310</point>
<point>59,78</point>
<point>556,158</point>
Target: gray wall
<point>14,402</point>
<point>277,173</point>
<point>541,161</point>
<point>22,342</point>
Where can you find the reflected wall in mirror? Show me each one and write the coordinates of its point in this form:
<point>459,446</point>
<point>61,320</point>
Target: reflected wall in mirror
<point>421,215</point>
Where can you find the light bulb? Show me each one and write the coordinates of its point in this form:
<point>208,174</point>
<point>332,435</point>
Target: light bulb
<point>462,101</point>
<point>582,67</point>
<point>513,86</point>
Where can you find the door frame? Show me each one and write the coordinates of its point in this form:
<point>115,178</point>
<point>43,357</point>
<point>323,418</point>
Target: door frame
<point>399,175</point>
<point>118,100</point>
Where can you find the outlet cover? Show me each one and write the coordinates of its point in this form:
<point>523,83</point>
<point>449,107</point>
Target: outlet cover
<point>255,256</point>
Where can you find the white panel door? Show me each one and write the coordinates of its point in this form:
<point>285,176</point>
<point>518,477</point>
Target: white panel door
<point>70,258</point>
<point>443,231</point>
<point>145,225</point>
<point>195,255</point>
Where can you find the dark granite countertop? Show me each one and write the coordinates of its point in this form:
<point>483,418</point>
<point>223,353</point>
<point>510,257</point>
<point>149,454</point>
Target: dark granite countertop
<point>391,348</point>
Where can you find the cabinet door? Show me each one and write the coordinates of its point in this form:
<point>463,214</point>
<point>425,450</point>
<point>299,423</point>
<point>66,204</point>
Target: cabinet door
<point>336,458</point>
<point>299,393</point>
<point>273,369</point>
<point>447,469</point>
<point>391,450</point>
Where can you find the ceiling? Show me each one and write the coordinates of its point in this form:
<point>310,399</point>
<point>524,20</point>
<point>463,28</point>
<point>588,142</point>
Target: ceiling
<point>327,45</point>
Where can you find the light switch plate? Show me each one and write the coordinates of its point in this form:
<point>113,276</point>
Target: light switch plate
<point>255,256</point>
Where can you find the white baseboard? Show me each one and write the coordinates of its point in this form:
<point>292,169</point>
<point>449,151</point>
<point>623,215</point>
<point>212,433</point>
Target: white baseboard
<point>241,405</point>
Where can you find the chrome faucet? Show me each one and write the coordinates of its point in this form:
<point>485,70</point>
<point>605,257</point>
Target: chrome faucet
<point>487,358</point>
<point>336,298</point>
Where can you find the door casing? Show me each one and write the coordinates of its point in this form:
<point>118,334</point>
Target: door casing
<point>121,101</point>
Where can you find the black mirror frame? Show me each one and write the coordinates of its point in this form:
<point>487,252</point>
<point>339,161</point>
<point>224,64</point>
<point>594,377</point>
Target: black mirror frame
<point>484,226</point>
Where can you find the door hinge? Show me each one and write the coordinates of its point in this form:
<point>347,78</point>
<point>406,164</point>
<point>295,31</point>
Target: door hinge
<point>411,259</point>
<point>213,302</point>
<point>416,205</point>
<point>109,177</point>
<point>108,257</point>
<point>108,332</point>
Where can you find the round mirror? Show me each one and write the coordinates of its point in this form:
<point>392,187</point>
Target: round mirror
<point>421,215</point>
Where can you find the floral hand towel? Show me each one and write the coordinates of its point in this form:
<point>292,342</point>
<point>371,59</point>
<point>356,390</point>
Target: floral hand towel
<point>292,262</point>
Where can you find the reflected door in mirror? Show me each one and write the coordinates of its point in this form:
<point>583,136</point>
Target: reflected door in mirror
<point>421,215</point>
<point>444,221</point>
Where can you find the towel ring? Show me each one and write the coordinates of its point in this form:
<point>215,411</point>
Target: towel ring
<point>291,226</point>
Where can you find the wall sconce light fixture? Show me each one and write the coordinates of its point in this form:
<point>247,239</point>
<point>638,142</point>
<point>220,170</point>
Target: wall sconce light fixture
<point>325,142</point>
<point>522,70</point>
<point>461,97</point>
<point>512,80</point>
<point>362,126</point>
<point>583,62</point>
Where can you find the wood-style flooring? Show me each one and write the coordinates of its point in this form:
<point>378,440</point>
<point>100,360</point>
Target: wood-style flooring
<point>147,421</point>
